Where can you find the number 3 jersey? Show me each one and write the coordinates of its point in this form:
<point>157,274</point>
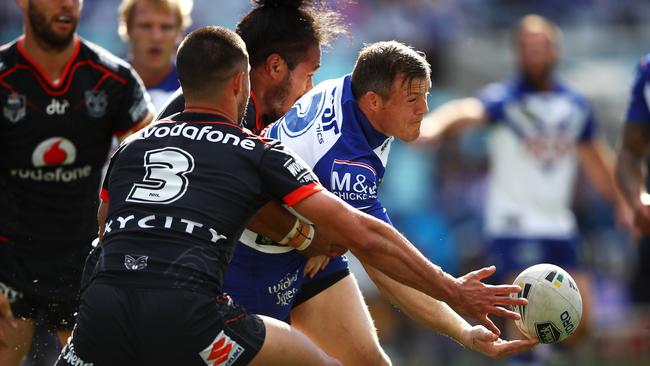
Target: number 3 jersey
<point>333,136</point>
<point>180,193</point>
<point>54,138</point>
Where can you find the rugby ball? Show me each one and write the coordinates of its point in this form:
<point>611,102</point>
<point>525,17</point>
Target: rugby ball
<point>554,307</point>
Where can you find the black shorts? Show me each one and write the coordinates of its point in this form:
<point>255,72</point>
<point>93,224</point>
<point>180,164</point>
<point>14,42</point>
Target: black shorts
<point>43,282</point>
<point>133,326</point>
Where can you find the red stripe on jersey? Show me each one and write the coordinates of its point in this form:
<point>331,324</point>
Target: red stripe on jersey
<point>4,239</point>
<point>301,193</point>
<point>77,46</point>
<point>103,194</point>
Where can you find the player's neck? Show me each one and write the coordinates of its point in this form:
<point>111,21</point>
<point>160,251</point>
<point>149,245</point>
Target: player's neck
<point>150,76</point>
<point>260,86</point>
<point>199,107</point>
<point>51,62</point>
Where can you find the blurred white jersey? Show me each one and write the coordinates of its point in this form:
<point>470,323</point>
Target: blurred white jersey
<point>533,159</point>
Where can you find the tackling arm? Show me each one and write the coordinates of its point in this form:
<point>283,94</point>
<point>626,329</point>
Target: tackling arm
<point>380,245</point>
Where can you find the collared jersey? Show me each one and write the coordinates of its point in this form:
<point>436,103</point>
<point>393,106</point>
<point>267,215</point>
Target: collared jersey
<point>55,137</point>
<point>533,162</point>
<point>180,193</point>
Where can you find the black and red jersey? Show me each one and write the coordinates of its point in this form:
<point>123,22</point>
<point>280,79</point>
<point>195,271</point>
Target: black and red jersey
<point>55,137</point>
<point>180,193</point>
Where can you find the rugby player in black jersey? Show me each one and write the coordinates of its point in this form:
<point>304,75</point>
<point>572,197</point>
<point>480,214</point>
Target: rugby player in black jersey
<point>62,99</point>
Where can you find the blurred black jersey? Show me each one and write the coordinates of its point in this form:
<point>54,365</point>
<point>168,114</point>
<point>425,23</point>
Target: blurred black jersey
<point>54,139</point>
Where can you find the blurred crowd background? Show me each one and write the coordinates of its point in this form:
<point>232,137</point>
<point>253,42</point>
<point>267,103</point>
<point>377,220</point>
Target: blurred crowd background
<point>435,195</point>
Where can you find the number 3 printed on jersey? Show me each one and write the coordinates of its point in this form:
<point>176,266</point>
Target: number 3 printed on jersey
<point>165,180</point>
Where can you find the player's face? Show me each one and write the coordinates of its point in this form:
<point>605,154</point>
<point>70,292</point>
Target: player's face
<point>53,22</point>
<point>296,83</point>
<point>537,54</point>
<point>405,107</point>
<point>153,33</point>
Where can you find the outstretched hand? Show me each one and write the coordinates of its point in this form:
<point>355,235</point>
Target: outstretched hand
<point>477,300</point>
<point>480,339</point>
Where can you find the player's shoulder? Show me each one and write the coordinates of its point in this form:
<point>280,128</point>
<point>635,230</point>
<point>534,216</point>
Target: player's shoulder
<point>8,54</point>
<point>101,56</point>
<point>573,93</point>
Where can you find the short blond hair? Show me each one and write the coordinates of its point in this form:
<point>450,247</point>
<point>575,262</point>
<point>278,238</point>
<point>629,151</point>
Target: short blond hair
<point>538,24</point>
<point>182,8</point>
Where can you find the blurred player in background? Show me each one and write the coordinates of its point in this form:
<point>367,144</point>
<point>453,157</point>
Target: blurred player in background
<point>152,29</point>
<point>62,100</point>
<point>632,175</point>
<point>541,130</point>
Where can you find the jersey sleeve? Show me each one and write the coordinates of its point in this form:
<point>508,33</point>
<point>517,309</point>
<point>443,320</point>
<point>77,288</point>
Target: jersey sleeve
<point>637,110</point>
<point>135,105</point>
<point>286,176</point>
<point>493,99</point>
<point>589,131</point>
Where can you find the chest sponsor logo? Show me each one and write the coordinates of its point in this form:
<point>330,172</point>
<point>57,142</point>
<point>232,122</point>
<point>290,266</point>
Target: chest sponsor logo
<point>15,108</point>
<point>96,102</point>
<point>223,351</point>
<point>54,151</point>
<point>354,181</point>
<point>57,107</point>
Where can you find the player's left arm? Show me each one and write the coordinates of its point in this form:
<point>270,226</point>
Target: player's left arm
<point>597,162</point>
<point>135,109</point>
<point>633,149</point>
<point>438,316</point>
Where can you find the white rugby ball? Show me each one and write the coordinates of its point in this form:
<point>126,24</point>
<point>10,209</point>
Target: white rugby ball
<point>554,307</point>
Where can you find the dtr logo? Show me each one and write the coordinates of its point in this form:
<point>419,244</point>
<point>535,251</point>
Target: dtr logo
<point>57,107</point>
<point>354,182</point>
<point>54,151</point>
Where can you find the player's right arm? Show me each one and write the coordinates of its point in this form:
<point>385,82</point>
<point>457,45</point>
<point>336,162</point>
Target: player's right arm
<point>451,117</point>
<point>380,245</point>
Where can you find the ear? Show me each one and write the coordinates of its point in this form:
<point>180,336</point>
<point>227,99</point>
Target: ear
<point>373,101</point>
<point>239,82</point>
<point>276,67</point>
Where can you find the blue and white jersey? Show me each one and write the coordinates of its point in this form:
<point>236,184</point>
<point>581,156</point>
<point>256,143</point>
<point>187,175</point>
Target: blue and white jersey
<point>164,89</point>
<point>532,151</point>
<point>331,134</point>
<point>638,111</point>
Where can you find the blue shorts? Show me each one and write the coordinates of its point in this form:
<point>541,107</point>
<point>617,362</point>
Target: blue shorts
<point>513,255</point>
<point>272,284</point>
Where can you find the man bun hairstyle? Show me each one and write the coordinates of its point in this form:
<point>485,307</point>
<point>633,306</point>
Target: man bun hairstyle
<point>380,63</point>
<point>207,58</point>
<point>288,28</point>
